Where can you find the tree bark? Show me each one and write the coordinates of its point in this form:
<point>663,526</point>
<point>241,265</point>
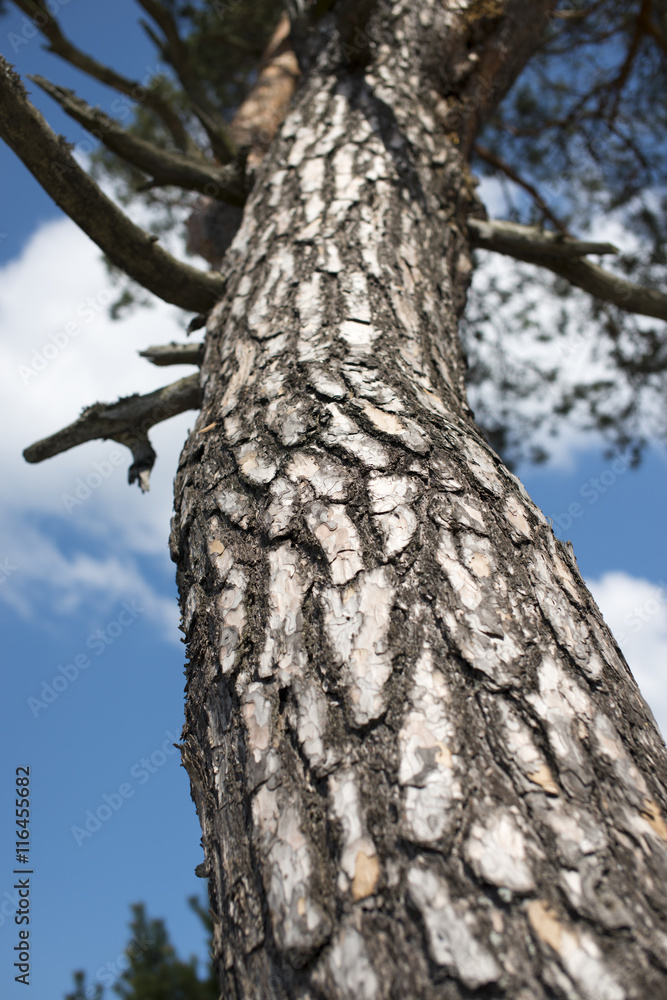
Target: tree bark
<point>421,765</point>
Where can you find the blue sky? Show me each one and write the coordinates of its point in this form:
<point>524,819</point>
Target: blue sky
<point>72,570</point>
<point>68,570</point>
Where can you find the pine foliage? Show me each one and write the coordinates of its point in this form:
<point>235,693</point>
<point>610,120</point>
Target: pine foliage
<point>151,968</point>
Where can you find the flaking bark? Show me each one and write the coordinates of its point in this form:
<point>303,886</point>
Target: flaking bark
<point>421,765</point>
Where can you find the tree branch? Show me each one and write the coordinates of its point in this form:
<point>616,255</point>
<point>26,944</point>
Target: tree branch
<point>174,354</point>
<point>164,168</point>
<point>621,79</point>
<point>517,241</point>
<point>128,422</point>
<point>176,53</point>
<point>49,159</point>
<point>61,46</point>
<point>565,257</point>
<point>652,29</point>
<point>603,285</point>
<point>263,111</point>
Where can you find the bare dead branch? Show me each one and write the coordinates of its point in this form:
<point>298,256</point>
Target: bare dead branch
<point>128,422</point>
<point>49,159</point>
<point>175,52</point>
<point>163,167</point>
<point>44,20</point>
<point>651,28</point>
<point>174,354</point>
<point>564,256</point>
<point>608,287</point>
<point>515,240</point>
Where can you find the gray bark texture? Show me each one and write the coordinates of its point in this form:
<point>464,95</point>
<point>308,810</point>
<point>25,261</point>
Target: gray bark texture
<point>421,765</point>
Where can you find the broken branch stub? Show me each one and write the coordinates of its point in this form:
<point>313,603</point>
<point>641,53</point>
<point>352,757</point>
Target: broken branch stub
<point>174,354</point>
<point>128,422</point>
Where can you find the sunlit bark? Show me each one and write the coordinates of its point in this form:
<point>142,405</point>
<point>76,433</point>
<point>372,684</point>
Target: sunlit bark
<point>421,765</point>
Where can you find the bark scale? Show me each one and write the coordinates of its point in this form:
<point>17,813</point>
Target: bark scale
<point>421,765</point>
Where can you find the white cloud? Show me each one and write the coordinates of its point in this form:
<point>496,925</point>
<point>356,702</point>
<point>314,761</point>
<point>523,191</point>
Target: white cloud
<point>578,354</point>
<point>61,352</point>
<point>59,282</point>
<point>636,612</point>
<point>45,584</point>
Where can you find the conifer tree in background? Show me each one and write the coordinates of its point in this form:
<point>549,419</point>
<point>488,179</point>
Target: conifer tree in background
<point>421,764</point>
<point>83,992</point>
<point>151,969</point>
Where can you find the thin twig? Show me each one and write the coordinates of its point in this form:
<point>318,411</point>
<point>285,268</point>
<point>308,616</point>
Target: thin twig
<point>175,52</point>
<point>621,79</point>
<point>45,22</point>
<point>496,161</point>
<point>162,166</point>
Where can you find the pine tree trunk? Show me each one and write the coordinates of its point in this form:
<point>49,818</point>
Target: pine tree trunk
<point>421,766</point>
